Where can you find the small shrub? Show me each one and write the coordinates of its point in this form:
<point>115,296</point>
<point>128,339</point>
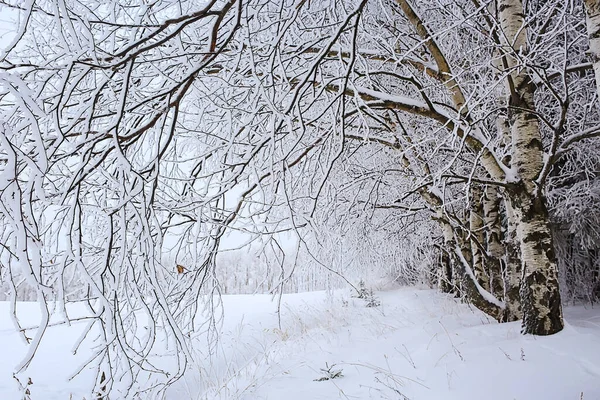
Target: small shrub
<point>367,295</point>
<point>363,293</point>
<point>371,300</point>
<point>329,373</point>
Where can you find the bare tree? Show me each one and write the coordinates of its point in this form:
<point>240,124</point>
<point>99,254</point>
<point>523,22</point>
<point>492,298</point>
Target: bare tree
<point>135,137</point>
<point>486,112</point>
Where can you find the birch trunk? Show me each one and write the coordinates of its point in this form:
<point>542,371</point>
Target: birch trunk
<point>493,239</point>
<point>540,296</point>
<point>478,237</point>
<point>463,276</point>
<point>511,274</point>
<point>512,271</point>
<point>592,10</point>
<point>445,279</point>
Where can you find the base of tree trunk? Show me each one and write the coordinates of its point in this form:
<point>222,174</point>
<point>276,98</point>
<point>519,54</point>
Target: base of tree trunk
<point>541,304</point>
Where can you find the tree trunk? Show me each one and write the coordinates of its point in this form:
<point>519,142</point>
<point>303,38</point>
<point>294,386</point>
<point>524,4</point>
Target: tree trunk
<point>478,237</point>
<point>511,273</point>
<point>512,269</point>
<point>493,239</point>
<point>540,296</point>
<point>464,278</point>
<point>592,10</point>
<point>445,278</point>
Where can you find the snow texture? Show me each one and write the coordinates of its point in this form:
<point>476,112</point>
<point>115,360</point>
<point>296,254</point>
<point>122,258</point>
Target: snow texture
<point>417,345</point>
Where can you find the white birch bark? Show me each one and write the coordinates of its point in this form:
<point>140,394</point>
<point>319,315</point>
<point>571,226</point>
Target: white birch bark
<point>592,10</point>
<point>478,237</point>
<point>511,275</point>
<point>444,272</point>
<point>540,297</point>
<point>464,278</point>
<point>493,239</point>
<point>512,272</point>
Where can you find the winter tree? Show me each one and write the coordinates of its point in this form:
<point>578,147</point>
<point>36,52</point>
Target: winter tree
<point>453,141</point>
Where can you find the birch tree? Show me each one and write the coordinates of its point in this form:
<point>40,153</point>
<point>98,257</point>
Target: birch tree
<point>593,29</point>
<point>399,76</point>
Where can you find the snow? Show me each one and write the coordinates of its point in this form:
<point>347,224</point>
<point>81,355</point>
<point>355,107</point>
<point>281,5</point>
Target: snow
<point>409,102</point>
<point>418,344</point>
<point>53,363</point>
<point>484,293</point>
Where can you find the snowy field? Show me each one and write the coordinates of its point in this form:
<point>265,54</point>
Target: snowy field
<point>417,345</point>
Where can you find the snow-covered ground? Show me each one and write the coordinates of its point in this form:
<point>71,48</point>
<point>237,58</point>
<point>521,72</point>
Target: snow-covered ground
<point>417,345</point>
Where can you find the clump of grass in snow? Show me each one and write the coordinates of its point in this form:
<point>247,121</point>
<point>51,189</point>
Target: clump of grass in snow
<point>329,373</point>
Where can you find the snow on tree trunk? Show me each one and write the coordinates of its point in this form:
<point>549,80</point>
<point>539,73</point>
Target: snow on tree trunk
<point>592,9</point>
<point>477,237</point>
<point>540,296</point>
<point>463,275</point>
<point>493,235</point>
<point>512,254</point>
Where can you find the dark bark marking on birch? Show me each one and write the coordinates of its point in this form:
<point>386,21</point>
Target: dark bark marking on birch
<point>532,293</point>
